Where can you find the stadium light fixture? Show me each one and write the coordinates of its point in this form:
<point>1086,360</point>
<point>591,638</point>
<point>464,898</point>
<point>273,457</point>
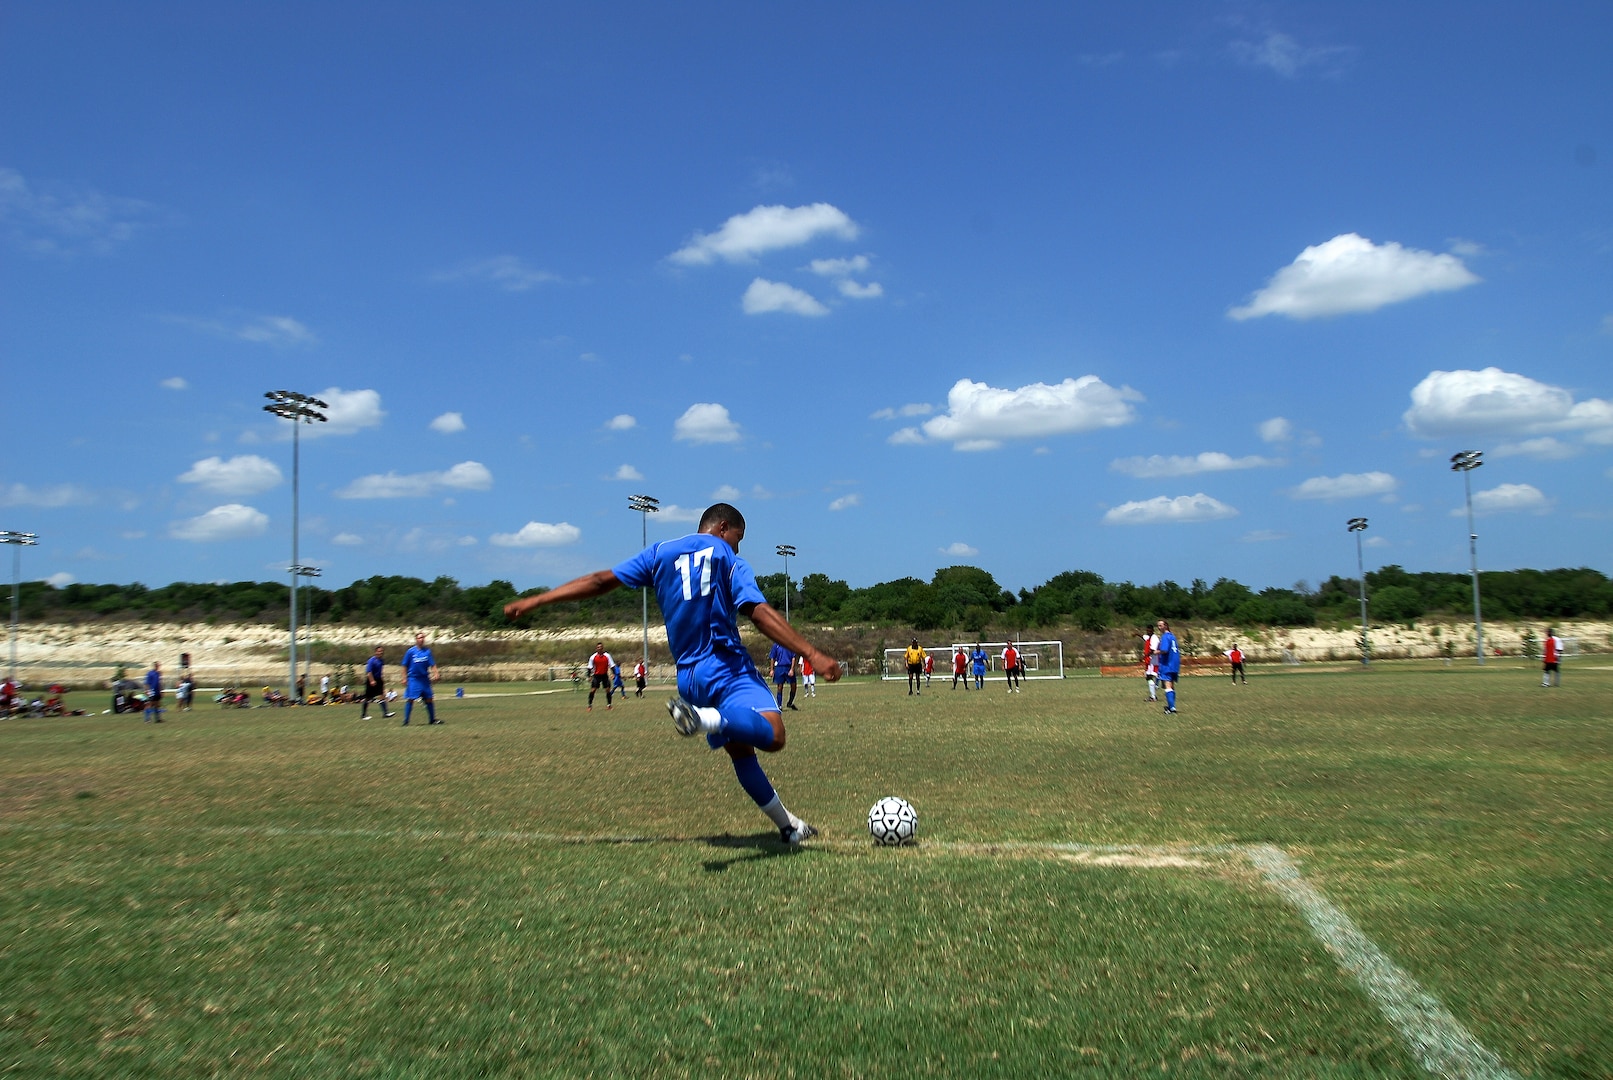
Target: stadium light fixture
<point>786,550</point>
<point>1359,526</point>
<point>300,409</point>
<point>645,505</point>
<point>20,540</point>
<point>1464,462</point>
<point>308,653</point>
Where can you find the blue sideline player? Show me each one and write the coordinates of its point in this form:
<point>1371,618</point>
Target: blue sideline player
<point>783,672</point>
<point>420,670</point>
<point>703,586</point>
<point>154,693</point>
<point>978,660</point>
<point>1170,663</point>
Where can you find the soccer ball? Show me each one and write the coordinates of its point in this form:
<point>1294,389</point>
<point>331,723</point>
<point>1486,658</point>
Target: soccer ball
<point>892,822</point>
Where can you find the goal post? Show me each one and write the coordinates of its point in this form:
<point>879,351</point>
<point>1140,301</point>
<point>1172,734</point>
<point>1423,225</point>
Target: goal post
<point>1038,659</point>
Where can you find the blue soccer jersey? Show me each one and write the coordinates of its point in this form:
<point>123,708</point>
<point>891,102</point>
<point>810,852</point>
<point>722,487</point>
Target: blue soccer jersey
<point>376,668</point>
<point>417,665</point>
<point>1170,659</point>
<point>783,662</point>
<point>701,584</point>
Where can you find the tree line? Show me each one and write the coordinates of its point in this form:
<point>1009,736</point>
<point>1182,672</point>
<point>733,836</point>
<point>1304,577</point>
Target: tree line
<point>961,597</point>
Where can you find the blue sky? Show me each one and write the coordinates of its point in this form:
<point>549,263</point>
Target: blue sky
<point>1159,291</point>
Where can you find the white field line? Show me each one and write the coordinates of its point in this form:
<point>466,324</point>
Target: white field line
<point>1439,1041</point>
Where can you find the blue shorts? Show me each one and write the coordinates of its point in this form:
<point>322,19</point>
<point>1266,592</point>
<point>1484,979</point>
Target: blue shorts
<point>733,687</point>
<point>1169,675</point>
<point>419,690</point>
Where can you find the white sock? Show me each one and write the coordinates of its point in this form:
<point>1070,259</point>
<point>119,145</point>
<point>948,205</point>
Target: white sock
<point>710,719</point>
<point>780,816</point>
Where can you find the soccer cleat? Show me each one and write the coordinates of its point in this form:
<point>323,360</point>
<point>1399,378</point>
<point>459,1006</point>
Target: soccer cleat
<point>1170,711</point>
<point>797,834</point>
<point>684,717</point>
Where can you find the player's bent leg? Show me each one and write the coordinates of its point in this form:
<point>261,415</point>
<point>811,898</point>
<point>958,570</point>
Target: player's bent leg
<point>792,830</point>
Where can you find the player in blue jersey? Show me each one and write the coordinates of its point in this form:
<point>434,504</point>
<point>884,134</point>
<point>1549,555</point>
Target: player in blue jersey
<point>374,684</point>
<point>1169,658</point>
<point>154,693</point>
<point>783,672</point>
<point>420,669</point>
<point>978,660</point>
<point>703,586</point>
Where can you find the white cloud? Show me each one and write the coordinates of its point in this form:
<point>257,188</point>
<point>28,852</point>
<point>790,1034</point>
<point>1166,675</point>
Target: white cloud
<point>69,222</point>
<point>959,550</point>
<point>765,296</point>
<point>627,472</point>
<point>278,330</point>
<point>672,512</point>
<point>246,474</point>
<point>979,417</point>
<point>1375,541</point>
<point>1507,499</point>
<point>449,423</point>
<point>1164,510</point>
<point>916,409</point>
<point>347,539</point>
<point>705,422</point>
<point>175,383</point>
<point>1350,273</point>
<point>1496,402</point>
<point>1544,448</point>
<point>467,541</point>
<point>60,580</point>
<point>845,502</point>
<point>765,228</point>
<point>727,493</point>
<point>231,521</point>
<point>1275,430</point>
<point>1281,53</point>
<point>855,291</point>
<point>621,422</point>
<point>1176,465</point>
<point>507,272</point>
<point>839,268</point>
<point>466,476</point>
<point>1347,486</point>
<point>52,497</point>
<point>538,534</point>
<point>908,436</point>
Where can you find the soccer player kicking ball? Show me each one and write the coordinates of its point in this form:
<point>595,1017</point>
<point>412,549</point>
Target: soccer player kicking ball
<point>703,586</point>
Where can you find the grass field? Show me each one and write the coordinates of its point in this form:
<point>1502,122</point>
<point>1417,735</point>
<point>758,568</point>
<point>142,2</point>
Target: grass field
<point>533,890</point>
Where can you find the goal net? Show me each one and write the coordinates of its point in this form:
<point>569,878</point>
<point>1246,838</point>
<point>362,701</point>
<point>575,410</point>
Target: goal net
<point>1037,659</point>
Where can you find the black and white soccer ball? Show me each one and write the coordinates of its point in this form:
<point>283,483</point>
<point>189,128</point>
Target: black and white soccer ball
<point>892,822</point>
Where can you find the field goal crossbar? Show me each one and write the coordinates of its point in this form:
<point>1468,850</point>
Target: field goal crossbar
<point>1038,659</point>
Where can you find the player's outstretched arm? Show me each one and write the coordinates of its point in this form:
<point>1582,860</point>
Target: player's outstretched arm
<point>771,623</point>
<point>586,587</point>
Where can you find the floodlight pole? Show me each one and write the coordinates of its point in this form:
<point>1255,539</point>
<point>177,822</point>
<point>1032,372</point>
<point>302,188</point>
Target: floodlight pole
<point>308,653</point>
<point>786,550</point>
<point>299,409</point>
<point>1464,462</point>
<point>1359,526</point>
<point>645,505</point>
<point>19,540</point>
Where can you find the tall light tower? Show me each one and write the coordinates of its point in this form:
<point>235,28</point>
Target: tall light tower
<point>1464,462</point>
<point>308,653</point>
<point>1359,526</point>
<point>645,505</point>
<point>20,540</point>
<point>300,409</point>
<point>786,550</point>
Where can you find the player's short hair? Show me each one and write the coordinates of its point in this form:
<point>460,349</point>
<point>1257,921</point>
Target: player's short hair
<point>717,512</point>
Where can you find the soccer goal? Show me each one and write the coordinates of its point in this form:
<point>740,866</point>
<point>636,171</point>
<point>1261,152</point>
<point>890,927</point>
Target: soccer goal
<point>1039,659</point>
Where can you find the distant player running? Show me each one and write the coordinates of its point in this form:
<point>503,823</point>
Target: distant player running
<point>420,671</point>
<point>809,678</point>
<point>374,684</point>
<point>640,674</point>
<point>960,668</point>
<point>1235,655</point>
<point>703,586</point>
<point>1551,654</point>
